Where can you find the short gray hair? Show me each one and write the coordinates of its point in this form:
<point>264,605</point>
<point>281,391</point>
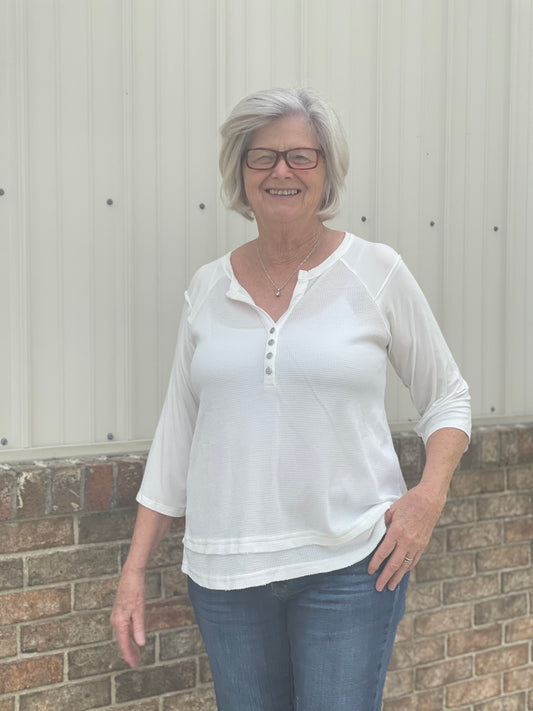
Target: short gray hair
<point>259,109</point>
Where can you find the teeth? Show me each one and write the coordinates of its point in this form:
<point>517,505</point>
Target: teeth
<point>271,191</point>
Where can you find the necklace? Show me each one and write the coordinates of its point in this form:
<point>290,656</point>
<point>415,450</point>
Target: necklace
<point>277,289</point>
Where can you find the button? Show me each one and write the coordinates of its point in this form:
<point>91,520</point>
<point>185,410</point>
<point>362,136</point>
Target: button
<point>271,342</point>
<point>268,371</point>
<point>272,330</point>
<point>269,355</point>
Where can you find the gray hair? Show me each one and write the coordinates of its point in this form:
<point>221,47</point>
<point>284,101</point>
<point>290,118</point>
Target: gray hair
<point>259,109</point>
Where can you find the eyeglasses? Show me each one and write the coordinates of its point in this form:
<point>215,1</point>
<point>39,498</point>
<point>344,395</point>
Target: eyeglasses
<point>296,158</point>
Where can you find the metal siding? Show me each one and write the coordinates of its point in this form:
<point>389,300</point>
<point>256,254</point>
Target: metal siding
<point>121,101</point>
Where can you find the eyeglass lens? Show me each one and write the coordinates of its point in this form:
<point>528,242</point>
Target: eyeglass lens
<point>297,158</point>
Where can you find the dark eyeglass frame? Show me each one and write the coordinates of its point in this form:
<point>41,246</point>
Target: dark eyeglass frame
<point>283,154</point>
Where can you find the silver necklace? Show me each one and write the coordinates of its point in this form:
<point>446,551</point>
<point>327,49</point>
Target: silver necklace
<point>277,289</point>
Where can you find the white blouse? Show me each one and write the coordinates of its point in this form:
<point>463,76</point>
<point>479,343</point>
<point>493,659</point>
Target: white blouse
<point>273,439</point>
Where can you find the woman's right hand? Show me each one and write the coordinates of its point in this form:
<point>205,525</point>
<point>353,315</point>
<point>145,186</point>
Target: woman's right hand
<point>127,617</point>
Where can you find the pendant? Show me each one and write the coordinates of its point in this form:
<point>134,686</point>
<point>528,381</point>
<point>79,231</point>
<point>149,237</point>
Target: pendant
<point>278,292</point>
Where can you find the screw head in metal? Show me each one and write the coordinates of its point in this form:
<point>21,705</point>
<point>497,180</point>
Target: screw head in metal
<point>3,441</point>
<point>363,218</point>
<point>202,206</point>
<point>109,201</point>
<point>2,191</point>
<point>495,228</point>
<point>432,223</point>
<point>110,436</point>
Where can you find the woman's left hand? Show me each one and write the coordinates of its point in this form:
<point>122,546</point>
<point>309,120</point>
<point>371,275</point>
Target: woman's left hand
<point>410,522</point>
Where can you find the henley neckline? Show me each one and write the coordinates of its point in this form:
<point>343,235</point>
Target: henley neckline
<point>236,289</point>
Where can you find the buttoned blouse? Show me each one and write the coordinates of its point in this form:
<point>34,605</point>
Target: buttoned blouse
<point>273,440</point>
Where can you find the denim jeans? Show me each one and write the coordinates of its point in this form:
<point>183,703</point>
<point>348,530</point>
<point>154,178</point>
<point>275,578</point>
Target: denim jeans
<point>317,643</point>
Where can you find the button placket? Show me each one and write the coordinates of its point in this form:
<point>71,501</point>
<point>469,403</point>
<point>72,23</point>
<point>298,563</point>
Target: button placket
<point>270,355</point>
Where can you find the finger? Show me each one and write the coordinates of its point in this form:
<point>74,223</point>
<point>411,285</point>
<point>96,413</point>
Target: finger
<point>129,649</point>
<point>391,569</point>
<point>138,627</point>
<point>383,551</point>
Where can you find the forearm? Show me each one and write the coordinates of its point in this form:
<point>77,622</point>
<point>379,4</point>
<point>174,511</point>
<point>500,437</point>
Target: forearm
<point>150,528</point>
<point>444,450</point>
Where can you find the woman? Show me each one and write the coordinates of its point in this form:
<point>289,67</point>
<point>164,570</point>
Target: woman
<point>273,439</point>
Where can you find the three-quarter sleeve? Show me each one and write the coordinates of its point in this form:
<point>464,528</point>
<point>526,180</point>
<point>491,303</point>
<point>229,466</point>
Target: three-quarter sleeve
<point>421,357</point>
<point>164,484</point>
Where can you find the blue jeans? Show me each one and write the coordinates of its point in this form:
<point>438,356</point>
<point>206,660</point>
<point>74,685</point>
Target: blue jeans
<point>317,643</point>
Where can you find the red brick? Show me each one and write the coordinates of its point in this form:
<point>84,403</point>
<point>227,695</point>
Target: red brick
<point>98,487</point>
<point>444,567</point>
<point>399,683</point>
<point>443,673</point>
<point>106,526</point>
<point>516,702</point>
<point>406,628</point>
<point>104,658</point>
<point>423,597</point>
<point>71,697</point>
<point>129,477</point>
<point>473,640</point>
<point>7,486</point>
<point>521,530</point>
<point>518,679</point>
<point>66,632</point>
<point>458,511</point>
<point>525,444</point>
<point>504,506</point>
<point>447,620</point>
<point>502,658</point>
<point>7,703</point>
<point>31,673</point>
<point>517,580</point>
<point>8,641</point>
<point>32,488</point>
<point>66,489</point>
<point>95,594</point>
<point>34,605</point>
<point>480,535</point>
<point>469,692</point>
<point>471,589</point>
<point>33,535</point>
<point>414,653</point>
<point>174,582</point>
<point>490,446</point>
<point>155,681</point>
<point>11,573</point>
<point>84,562</point>
<point>509,452</point>
<point>503,608</point>
<point>512,556</point>
<point>144,705</point>
<point>520,477</point>
<point>206,676</point>
<point>416,702</point>
<point>522,628</point>
<point>477,482</point>
<point>180,643</point>
<point>169,614</point>
<point>197,700</point>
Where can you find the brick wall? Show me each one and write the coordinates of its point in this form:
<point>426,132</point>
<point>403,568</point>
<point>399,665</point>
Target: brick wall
<point>465,643</point>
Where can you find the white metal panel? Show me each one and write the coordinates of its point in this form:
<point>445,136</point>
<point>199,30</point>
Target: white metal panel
<point>121,101</point>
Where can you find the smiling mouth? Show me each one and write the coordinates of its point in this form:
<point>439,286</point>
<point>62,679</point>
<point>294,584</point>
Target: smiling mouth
<point>284,193</point>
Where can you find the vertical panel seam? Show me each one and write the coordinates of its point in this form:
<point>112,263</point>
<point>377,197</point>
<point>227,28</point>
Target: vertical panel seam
<point>59,225</point>
<point>24,327</point>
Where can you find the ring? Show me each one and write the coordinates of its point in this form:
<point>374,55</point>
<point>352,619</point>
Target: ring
<point>408,560</point>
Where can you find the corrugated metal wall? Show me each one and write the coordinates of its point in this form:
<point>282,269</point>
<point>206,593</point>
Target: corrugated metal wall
<point>109,114</point>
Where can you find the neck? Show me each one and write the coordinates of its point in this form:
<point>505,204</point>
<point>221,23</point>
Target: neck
<point>283,244</point>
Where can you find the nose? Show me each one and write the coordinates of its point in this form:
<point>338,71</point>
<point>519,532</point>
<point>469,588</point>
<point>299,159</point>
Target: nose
<point>282,167</point>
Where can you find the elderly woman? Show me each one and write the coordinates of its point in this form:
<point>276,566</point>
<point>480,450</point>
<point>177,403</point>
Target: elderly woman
<point>273,440</point>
